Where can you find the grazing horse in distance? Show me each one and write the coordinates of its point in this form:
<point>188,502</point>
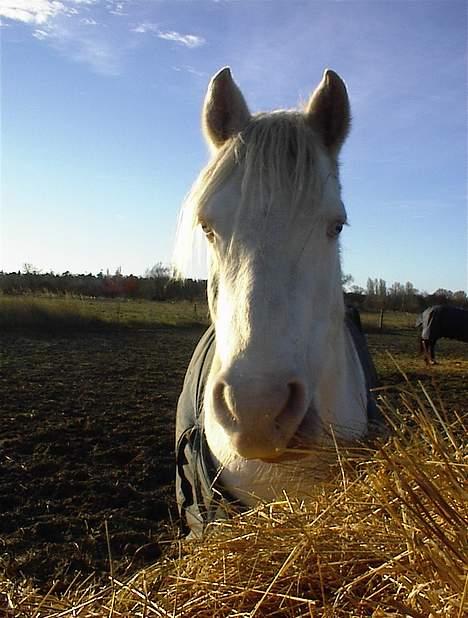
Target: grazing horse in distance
<point>281,370</point>
<point>441,321</point>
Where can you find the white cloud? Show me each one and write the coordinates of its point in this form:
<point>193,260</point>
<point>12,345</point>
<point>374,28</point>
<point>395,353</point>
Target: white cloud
<point>65,25</point>
<point>188,40</point>
<point>39,12</point>
<point>78,29</point>
<point>189,69</point>
<point>82,44</point>
<point>145,27</point>
<point>116,8</point>
<point>88,21</point>
<point>41,34</point>
<point>31,11</point>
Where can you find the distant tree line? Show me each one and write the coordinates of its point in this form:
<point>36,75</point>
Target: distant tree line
<point>379,296</point>
<point>159,284</point>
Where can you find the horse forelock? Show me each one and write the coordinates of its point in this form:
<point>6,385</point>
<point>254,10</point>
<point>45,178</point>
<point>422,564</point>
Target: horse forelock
<point>276,155</point>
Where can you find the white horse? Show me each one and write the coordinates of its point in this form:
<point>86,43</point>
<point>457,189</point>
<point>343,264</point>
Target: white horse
<point>281,371</point>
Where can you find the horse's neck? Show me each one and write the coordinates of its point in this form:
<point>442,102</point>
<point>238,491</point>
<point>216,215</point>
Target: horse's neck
<point>342,397</point>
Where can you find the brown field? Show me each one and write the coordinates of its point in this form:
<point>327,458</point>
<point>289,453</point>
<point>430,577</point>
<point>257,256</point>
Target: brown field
<point>87,416</point>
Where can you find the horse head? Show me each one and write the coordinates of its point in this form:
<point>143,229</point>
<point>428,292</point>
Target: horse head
<point>285,373</point>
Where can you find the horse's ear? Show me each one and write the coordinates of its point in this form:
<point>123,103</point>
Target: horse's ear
<point>328,111</point>
<point>225,112</point>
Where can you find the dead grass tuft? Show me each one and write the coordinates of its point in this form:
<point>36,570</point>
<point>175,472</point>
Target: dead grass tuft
<point>46,316</point>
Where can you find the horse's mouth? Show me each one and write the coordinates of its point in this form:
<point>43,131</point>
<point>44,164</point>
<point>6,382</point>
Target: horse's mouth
<point>300,445</point>
<point>288,455</point>
<point>295,450</point>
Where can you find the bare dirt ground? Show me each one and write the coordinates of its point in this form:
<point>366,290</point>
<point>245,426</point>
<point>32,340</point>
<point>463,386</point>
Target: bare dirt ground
<point>87,426</point>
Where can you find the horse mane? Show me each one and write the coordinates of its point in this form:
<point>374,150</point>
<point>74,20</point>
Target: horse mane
<point>277,150</point>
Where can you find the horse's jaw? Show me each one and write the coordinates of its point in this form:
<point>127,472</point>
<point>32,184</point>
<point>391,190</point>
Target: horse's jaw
<point>296,473</point>
<point>341,392</point>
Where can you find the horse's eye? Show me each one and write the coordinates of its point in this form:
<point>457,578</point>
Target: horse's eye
<point>336,229</point>
<point>207,231</point>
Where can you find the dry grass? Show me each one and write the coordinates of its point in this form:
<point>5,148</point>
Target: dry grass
<point>45,315</point>
<point>50,314</point>
<point>388,536</point>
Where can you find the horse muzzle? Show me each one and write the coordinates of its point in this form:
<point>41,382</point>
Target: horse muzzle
<point>260,414</point>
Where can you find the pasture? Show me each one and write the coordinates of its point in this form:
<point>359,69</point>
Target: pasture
<point>89,390</point>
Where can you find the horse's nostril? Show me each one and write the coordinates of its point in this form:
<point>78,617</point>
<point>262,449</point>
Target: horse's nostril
<point>224,404</point>
<point>295,403</point>
<point>218,392</point>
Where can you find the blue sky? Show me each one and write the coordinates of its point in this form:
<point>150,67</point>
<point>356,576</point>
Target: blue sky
<point>101,124</point>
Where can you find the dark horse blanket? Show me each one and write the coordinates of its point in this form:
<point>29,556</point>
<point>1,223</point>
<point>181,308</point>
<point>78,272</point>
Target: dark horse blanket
<point>444,321</point>
<point>441,321</point>
<point>201,498</point>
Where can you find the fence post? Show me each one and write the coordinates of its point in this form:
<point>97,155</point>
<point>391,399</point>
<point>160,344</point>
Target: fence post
<point>381,320</point>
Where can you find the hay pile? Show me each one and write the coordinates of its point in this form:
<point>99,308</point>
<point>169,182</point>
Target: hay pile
<point>387,537</point>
